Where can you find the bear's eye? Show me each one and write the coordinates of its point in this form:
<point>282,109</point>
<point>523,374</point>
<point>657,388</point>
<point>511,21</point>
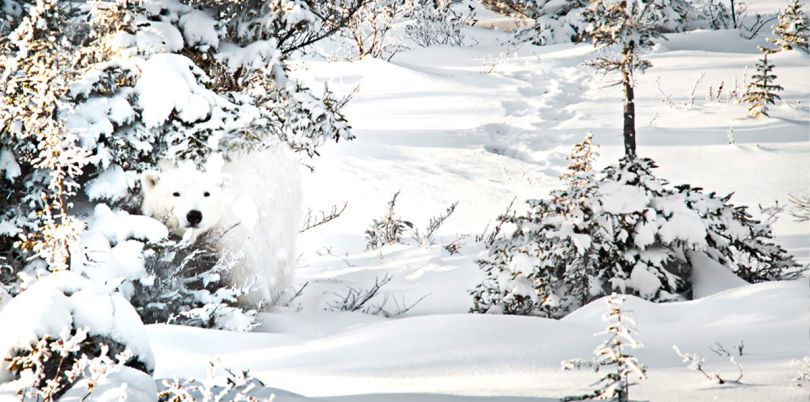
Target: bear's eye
<point>206,194</point>
<point>176,194</point>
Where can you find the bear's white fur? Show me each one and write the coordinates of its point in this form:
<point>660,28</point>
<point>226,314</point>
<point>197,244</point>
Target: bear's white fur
<point>255,200</point>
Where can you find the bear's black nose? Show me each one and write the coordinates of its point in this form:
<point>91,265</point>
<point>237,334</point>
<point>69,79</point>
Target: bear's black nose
<point>194,217</point>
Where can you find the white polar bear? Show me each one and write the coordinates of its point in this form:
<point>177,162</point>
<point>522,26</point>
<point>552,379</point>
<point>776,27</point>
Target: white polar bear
<point>255,200</point>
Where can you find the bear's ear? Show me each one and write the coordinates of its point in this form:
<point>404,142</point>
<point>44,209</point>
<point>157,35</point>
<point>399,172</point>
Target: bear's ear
<point>149,179</point>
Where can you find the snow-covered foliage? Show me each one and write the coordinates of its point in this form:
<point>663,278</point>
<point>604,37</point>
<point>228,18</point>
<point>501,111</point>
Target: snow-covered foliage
<point>369,30</point>
<point>613,355</point>
<point>189,284</point>
<point>59,319</point>
<point>566,21</point>
<point>625,231</point>
<point>435,22</point>
<point>802,379</point>
<point>98,92</point>
<point>149,81</point>
<point>791,31</point>
<point>40,161</point>
<point>762,90</point>
<point>239,386</point>
<point>387,230</point>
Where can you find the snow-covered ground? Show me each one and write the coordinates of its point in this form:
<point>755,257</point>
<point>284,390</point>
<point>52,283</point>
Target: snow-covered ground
<point>480,126</point>
<point>485,124</point>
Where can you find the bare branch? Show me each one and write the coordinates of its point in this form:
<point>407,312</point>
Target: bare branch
<point>313,220</point>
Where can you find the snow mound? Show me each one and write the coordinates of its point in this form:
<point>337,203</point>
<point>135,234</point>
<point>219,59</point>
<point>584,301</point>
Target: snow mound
<point>126,384</point>
<point>710,277</point>
<point>64,301</point>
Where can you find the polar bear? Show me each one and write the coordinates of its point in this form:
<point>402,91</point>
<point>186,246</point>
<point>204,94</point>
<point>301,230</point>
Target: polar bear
<point>254,201</point>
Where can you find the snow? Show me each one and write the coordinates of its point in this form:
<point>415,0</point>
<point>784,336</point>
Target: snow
<point>710,277</point>
<point>681,223</point>
<point>117,226</point>
<point>620,198</point>
<point>199,29</point>
<point>112,184</point>
<point>125,384</point>
<point>65,300</point>
<point>480,125</point>
<point>261,54</point>
<point>8,166</point>
<point>167,84</point>
<point>644,281</point>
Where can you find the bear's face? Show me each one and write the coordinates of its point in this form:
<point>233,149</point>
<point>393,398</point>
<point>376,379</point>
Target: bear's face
<point>183,199</point>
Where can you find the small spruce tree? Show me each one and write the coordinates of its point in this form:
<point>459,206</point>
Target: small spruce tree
<point>762,90</point>
<point>631,27</point>
<point>613,355</point>
<point>791,30</point>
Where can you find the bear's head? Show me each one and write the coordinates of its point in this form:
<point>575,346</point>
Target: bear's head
<point>183,198</point>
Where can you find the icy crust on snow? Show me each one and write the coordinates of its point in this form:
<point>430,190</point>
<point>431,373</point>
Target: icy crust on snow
<point>64,301</point>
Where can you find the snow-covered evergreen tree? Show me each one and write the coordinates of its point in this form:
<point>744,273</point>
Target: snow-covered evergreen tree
<point>623,370</point>
<point>560,22</point>
<point>94,94</point>
<point>548,266</point>
<point>629,27</point>
<point>791,31</point>
<point>42,159</point>
<point>762,90</point>
<point>624,231</point>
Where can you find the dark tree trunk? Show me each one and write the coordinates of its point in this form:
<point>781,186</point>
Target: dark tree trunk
<point>629,103</point>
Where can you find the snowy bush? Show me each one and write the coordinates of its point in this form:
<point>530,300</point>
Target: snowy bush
<point>189,284</point>
<point>150,81</point>
<point>369,30</point>
<point>435,22</point>
<point>625,231</point>
<point>564,21</point>
<point>613,355</point>
<point>239,386</point>
<point>64,319</point>
<point>387,230</point>
<point>802,379</point>
<point>791,30</point>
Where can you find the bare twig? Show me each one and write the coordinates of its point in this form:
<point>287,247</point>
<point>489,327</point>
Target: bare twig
<point>356,299</point>
<point>434,224</point>
<point>696,363</point>
<point>489,239</point>
<point>694,89</point>
<point>317,219</point>
<point>664,97</point>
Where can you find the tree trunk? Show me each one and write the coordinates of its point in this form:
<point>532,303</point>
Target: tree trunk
<point>629,103</point>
